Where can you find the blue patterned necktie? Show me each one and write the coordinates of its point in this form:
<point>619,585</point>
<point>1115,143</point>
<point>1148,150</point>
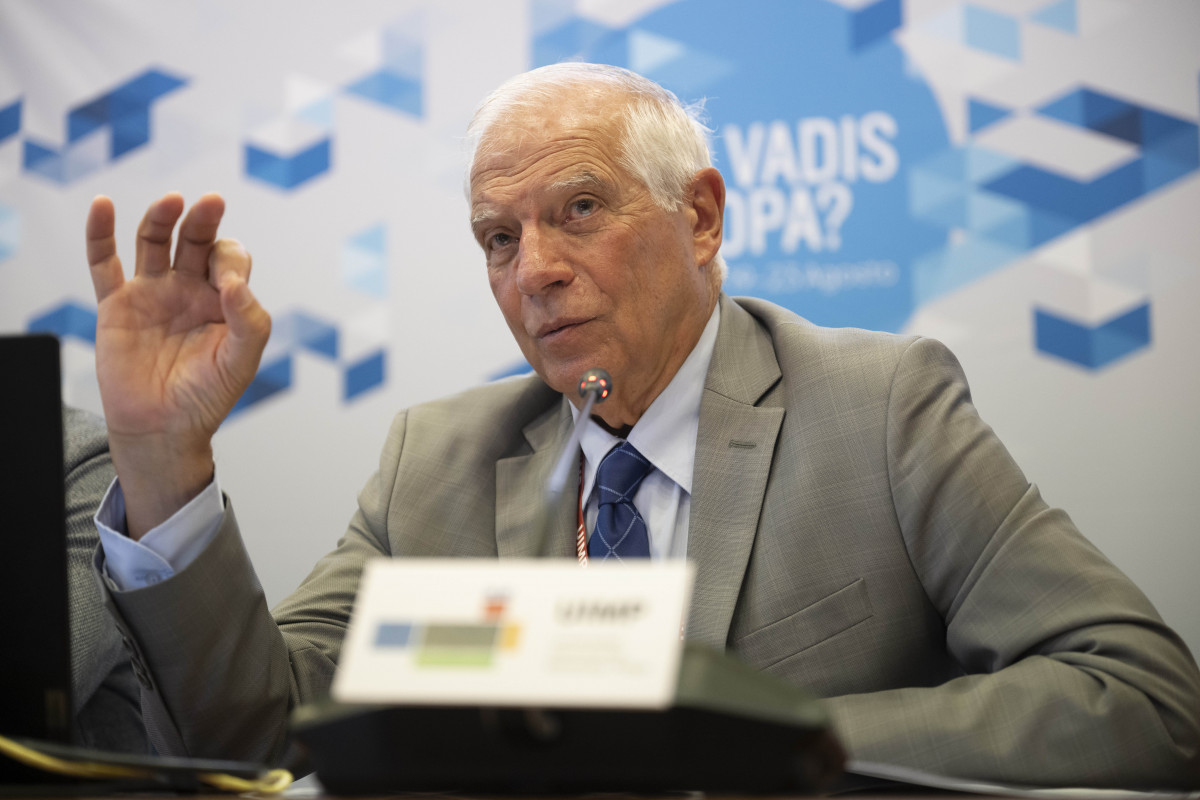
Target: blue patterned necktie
<point>620,530</point>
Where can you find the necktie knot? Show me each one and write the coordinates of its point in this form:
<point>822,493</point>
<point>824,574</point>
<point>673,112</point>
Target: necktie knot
<point>621,473</point>
<point>620,530</point>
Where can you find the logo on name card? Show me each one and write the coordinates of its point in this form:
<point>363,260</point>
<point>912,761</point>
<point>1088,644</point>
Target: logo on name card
<point>467,644</point>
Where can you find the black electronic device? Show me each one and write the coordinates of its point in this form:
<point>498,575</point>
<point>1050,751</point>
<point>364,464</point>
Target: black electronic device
<point>35,674</point>
<point>730,729</point>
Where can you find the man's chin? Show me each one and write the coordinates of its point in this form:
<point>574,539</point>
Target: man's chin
<point>563,376</point>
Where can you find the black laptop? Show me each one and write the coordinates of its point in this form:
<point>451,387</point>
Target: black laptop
<point>35,670</point>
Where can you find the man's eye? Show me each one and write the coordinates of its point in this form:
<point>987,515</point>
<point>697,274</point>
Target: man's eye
<point>583,207</point>
<point>499,240</point>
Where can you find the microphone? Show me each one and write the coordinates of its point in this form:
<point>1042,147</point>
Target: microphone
<point>595,386</point>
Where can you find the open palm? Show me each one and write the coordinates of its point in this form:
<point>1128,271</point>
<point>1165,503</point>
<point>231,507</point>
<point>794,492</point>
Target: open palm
<point>178,342</point>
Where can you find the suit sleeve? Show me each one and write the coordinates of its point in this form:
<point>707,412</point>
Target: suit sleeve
<point>105,693</point>
<point>1071,676</point>
<point>220,673</point>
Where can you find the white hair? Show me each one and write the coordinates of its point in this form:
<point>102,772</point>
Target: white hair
<point>660,141</point>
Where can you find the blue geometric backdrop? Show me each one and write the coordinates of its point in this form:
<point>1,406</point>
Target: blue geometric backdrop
<point>1019,178</point>
<point>948,216</point>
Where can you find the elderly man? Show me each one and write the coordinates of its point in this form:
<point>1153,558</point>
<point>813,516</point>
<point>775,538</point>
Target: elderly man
<point>856,528</point>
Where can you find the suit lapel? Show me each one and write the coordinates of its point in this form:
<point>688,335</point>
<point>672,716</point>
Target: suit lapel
<point>521,493</point>
<point>734,448</point>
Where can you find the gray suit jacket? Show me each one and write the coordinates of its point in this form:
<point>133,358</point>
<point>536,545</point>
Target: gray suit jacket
<point>857,530</point>
<point>107,713</point>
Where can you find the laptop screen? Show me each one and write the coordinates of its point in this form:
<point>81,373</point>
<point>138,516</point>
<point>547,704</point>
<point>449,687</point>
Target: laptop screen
<point>35,671</point>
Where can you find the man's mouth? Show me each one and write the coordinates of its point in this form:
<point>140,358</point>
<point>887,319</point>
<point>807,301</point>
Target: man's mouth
<point>559,326</point>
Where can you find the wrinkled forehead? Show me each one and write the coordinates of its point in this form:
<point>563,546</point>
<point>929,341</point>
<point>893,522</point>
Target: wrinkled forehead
<point>544,124</point>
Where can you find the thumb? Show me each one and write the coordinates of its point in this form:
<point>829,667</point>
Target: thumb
<point>249,327</point>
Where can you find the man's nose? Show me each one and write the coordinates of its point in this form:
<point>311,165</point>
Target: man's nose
<point>541,262</point>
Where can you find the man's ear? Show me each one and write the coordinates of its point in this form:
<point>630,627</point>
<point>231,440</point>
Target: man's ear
<point>706,205</point>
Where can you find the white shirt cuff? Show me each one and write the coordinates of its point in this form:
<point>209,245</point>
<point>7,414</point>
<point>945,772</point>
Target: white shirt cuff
<point>166,549</point>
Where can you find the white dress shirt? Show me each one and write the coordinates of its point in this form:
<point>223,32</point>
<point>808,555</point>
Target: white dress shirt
<point>666,436</point>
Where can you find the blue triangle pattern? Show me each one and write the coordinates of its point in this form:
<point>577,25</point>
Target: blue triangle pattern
<point>392,90</point>
<point>10,120</point>
<point>10,231</point>
<point>67,320</point>
<point>992,32</point>
<point>1061,15</point>
<point>981,114</point>
<point>649,51</point>
<point>372,240</point>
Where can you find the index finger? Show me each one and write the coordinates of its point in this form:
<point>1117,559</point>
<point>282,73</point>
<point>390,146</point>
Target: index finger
<point>100,235</point>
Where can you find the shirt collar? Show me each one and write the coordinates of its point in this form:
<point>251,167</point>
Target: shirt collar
<point>666,433</point>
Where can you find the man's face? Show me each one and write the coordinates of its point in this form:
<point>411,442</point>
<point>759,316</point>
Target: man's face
<point>586,269</point>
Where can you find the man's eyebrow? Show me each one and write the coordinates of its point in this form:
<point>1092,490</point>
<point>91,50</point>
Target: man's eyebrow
<point>582,179</point>
<point>483,215</point>
<point>587,180</point>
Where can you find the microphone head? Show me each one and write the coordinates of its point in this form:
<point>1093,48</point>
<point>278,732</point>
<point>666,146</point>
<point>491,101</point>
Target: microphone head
<point>597,382</point>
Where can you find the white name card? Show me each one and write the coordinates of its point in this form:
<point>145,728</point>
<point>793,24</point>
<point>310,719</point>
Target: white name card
<point>515,632</point>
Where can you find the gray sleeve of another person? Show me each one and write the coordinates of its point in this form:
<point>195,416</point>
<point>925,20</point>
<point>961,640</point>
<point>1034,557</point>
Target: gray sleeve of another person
<point>107,709</point>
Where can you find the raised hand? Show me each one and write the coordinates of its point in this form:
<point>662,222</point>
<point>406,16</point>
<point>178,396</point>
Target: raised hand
<point>176,345</point>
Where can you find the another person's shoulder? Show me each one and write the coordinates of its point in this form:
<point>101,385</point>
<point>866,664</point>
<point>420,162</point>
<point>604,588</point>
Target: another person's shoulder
<point>85,436</point>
